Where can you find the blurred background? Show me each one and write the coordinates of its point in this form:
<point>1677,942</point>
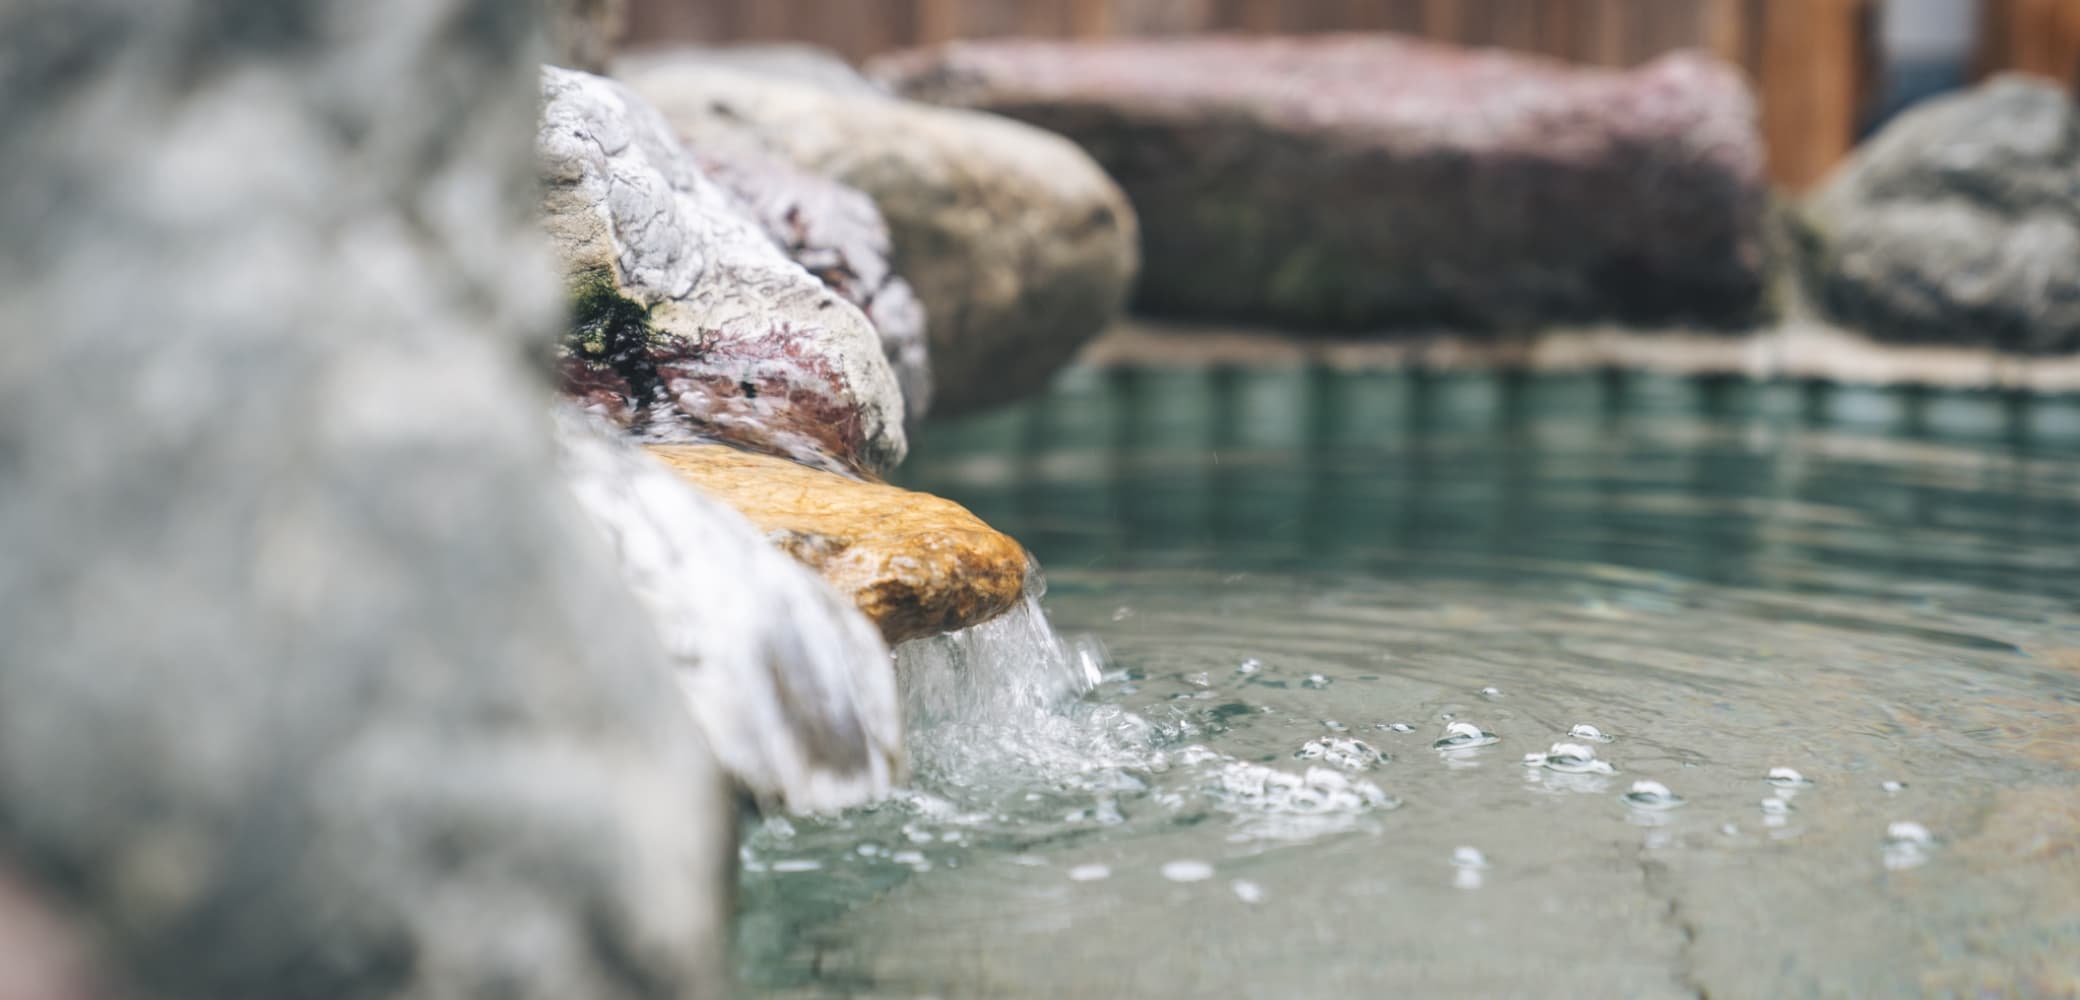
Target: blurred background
<point>1825,71</point>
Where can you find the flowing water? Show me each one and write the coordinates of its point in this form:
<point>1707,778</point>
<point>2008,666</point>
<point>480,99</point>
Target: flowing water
<point>1459,684</point>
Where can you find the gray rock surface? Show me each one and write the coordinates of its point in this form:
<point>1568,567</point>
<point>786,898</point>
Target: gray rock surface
<point>313,680</point>
<point>790,682</point>
<point>1019,246</point>
<point>1958,223</point>
<point>692,323</point>
<point>837,234</point>
<point>1372,181</point>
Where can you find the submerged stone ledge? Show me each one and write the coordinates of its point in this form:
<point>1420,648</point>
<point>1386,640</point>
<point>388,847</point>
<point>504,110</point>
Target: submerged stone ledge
<point>915,564</point>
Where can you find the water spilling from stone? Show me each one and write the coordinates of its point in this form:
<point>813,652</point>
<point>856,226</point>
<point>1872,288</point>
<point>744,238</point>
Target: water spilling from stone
<point>1718,579</point>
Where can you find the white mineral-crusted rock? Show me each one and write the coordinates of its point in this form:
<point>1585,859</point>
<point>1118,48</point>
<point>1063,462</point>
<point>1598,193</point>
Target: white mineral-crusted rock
<point>790,682</point>
<point>692,324</point>
<point>314,682</point>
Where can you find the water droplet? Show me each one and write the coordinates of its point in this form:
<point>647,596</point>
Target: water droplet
<point>1893,786</point>
<point>1468,857</point>
<point>1587,732</point>
<point>1787,777</point>
<point>1089,873</point>
<point>1652,795</point>
<point>1491,692</point>
<point>1394,727</point>
<point>1316,681</point>
<point>1334,726</point>
<point>1122,613</point>
<point>1250,666</point>
<point>1907,845</point>
<point>1187,871</point>
<point>1461,735</point>
<point>1247,891</point>
<point>1569,758</point>
<point>1200,679</point>
<point>1349,754</point>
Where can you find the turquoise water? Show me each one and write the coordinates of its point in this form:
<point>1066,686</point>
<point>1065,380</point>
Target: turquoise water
<point>1342,609</point>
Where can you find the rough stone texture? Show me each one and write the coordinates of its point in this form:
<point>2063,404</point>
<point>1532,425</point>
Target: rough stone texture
<point>1959,223</point>
<point>917,565</point>
<point>1367,181</point>
<point>836,234</point>
<point>1019,246</point>
<point>582,33</point>
<point>313,681</point>
<point>692,324</point>
<point>792,685</point>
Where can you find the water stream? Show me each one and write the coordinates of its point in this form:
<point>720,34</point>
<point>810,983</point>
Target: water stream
<point>1570,685</point>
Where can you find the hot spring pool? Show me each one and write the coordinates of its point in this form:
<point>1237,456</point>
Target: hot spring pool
<point>1309,582</point>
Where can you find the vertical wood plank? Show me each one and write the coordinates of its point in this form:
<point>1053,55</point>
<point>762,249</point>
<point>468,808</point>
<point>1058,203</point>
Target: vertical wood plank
<point>1090,18</point>
<point>937,21</point>
<point>1724,30</point>
<point>1443,20</point>
<point>1809,86</point>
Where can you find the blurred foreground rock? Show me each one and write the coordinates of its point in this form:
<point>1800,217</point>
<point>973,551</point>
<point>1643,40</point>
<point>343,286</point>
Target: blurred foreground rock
<point>691,323</point>
<point>1360,181</point>
<point>1959,224</point>
<point>583,33</point>
<point>313,680</point>
<point>917,565</point>
<point>1020,247</point>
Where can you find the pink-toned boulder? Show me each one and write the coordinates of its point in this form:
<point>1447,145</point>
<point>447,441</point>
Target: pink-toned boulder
<point>1362,181</point>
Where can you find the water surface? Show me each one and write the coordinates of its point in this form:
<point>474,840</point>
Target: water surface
<point>1305,579</point>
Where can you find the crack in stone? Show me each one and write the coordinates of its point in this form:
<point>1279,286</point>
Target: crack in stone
<point>1659,883</point>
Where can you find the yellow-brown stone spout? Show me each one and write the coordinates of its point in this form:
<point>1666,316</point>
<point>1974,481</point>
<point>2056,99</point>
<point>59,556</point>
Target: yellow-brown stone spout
<point>916,564</point>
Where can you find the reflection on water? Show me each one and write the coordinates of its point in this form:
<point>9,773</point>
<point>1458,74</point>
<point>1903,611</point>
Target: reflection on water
<point>1797,669</point>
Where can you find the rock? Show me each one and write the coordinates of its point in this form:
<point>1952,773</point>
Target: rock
<point>1367,181</point>
<point>791,684</point>
<point>917,565</point>
<point>313,680</point>
<point>1020,247</point>
<point>582,33</point>
<point>690,323</point>
<point>1959,223</point>
<point>836,234</point>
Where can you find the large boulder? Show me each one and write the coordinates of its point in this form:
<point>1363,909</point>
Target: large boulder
<point>313,680</point>
<point>915,564</point>
<point>691,323</point>
<point>1362,181</point>
<point>1959,223</point>
<point>791,683</point>
<point>1020,247</point>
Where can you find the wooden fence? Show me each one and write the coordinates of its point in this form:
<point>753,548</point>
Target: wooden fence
<point>1810,60</point>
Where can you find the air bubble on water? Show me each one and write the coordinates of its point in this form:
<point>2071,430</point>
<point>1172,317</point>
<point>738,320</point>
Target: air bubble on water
<point>1029,860</point>
<point>797,865</point>
<point>1893,787</point>
<point>1907,845</point>
<point>1468,857</point>
<point>1787,777</point>
<point>1200,679</point>
<point>1122,613</point>
<point>1089,873</point>
<point>1462,735</point>
<point>914,859</point>
<point>1247,891</point>
<point>1187,870</point>
<point>1569,758</point>
<point>1250,666</point>
<point>1647,794</point>
<point>1491,692</point>
<point>1588,733</point>
<point>1394,727</point>
<point>1349,754</point>
<point>1334,726</point>
<point>868,849</point>
<point>1316,681</point>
